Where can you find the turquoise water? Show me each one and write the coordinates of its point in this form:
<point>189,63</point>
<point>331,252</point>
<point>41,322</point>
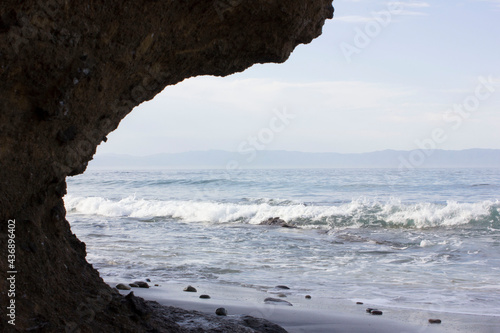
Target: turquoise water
<point>423,238</point>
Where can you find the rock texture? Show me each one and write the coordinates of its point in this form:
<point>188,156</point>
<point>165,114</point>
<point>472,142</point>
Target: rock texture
<point>277,221</point>
<point>69,72</point>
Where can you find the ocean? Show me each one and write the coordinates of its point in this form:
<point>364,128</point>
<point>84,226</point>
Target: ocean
<point>415,239</point>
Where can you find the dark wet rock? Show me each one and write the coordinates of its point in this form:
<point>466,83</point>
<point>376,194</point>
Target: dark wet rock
<point>276,221</point>
<point>121,286</point>
<point>190,289</point>
<point>261,325</point>
<point>148,280</point>
<point>282,287</point>
<point>221,312</point>
<point>138,305</point>
<point>308,297</point>
<point>197,322</point>
<point>359,303</point>
<point>141,284</point>
<point>271,300</point>
<point>50,127</point>
<point>376,312</point>
<point>157,285</point>
<point>205,296</point>
<point>435,321</point>
<point>369,310</point>
<point>134,285</point>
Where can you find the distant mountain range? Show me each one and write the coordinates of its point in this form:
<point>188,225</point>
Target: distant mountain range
<point>218,159</point>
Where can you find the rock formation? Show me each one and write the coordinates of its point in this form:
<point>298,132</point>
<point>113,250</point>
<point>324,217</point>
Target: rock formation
<point>277,221</point>
<point>69,72</point>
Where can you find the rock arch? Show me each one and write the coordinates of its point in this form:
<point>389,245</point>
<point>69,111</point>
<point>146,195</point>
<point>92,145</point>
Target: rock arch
<point>69,72</point>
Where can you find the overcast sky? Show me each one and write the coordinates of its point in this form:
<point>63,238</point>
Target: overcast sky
<point>400,75</point>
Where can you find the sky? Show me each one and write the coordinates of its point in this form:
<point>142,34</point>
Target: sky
<point>383,75</point>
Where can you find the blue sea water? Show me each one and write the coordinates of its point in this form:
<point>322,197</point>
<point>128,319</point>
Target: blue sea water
<point>422,238</point>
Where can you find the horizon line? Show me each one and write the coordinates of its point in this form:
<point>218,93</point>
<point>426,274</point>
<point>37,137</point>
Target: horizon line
<point>295,151</point>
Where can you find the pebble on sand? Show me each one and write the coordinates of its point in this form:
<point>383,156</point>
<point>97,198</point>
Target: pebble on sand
<point>308,296</point>
<point>435,321</point>
<point>122,286</point>
<point>221,312</point>
<point>190,289</point>
<point>359,303</point>
<point>141,284</point>
<point>271,300</point>
<point>376,312</point>
<point>282,287</point>
<point>205,296</point>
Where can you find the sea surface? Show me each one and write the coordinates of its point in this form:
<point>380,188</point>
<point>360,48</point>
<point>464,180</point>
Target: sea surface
<point>423,238</point>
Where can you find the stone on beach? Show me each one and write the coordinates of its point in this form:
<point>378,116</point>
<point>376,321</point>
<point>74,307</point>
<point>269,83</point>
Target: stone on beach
<point>359,303</point>
<point>133,285</point>
<point>221,312</point>
<point>190,289</point>
<point>282,287</point>
<point>308,297</point>
<point>141,284</point>
<point>376,312</point>
<point>121,286</point>
<point>259,325</point>
<point>270,300</point>
<point>205,296</point>
<point>435,321</point>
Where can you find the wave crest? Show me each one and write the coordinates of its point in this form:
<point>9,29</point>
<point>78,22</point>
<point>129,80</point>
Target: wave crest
<point>355,214</point>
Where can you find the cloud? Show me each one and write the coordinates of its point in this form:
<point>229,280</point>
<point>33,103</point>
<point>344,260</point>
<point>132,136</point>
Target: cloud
<point>410,8</point>
<point>398,8</point>
<point>261,95</point>
<point>354,18</point>
<point>219,113</point>
<point>411,4</point>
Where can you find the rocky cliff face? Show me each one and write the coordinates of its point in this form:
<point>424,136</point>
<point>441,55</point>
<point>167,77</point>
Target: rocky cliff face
<point>69,72</point>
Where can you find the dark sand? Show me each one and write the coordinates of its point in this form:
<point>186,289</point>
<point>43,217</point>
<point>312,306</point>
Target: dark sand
<point>318,314</point>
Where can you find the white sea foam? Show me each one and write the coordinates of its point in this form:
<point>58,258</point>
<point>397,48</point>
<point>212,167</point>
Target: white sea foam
<point>426,243</point>
<point>356,213</point>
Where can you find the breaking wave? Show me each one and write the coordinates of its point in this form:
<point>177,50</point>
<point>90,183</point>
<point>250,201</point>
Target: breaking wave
<point>355,214</point>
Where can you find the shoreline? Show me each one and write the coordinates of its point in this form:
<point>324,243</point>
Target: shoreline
<point>313,315</point>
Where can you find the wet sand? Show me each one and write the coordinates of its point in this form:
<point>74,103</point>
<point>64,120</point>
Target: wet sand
<point>318,314</point>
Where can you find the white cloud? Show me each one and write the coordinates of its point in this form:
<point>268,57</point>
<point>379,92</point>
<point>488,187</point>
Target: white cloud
<point>412,4</point>
<point>354,18</point>
<point>399,8</point>
<point>220,113</point>
<point>410,8</point>
<point>260,95</point>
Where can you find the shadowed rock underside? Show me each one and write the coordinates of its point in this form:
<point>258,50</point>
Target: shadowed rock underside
<point>69,72</point>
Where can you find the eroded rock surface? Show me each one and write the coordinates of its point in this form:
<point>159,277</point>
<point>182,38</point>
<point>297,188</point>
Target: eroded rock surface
<point>69,72</point>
